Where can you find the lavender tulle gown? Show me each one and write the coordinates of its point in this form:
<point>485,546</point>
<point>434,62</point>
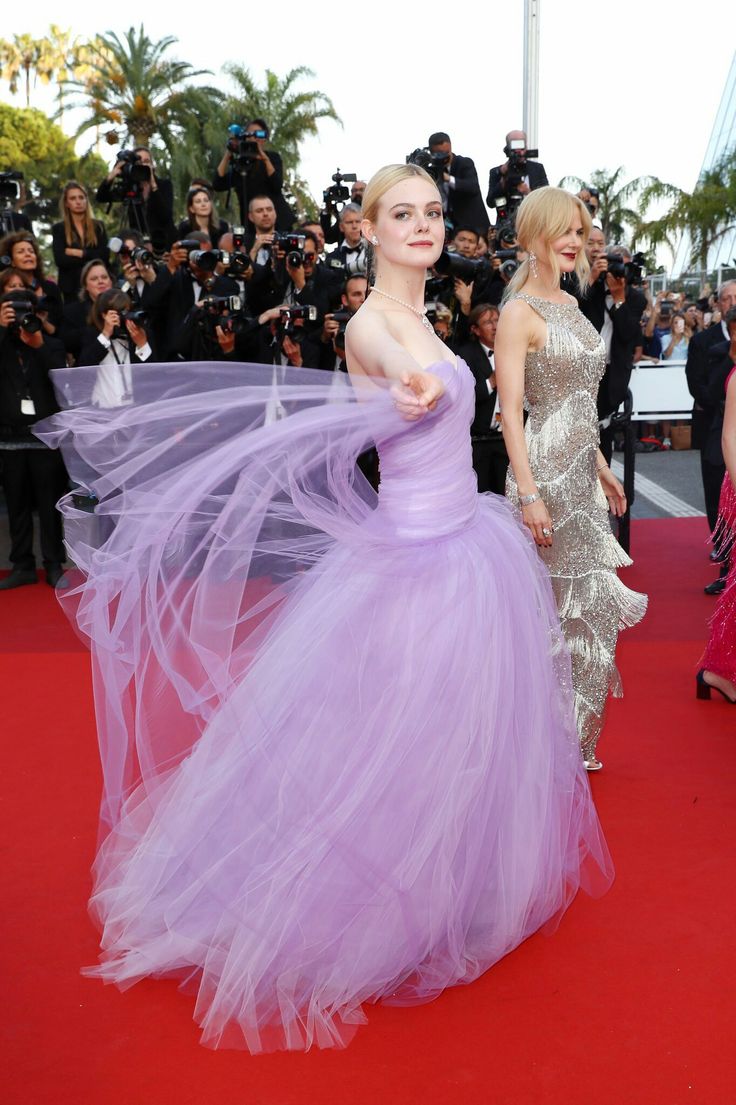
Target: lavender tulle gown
<point>337,734</point>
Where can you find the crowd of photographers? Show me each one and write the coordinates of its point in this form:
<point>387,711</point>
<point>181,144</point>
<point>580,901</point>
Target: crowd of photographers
<point>258,287</point>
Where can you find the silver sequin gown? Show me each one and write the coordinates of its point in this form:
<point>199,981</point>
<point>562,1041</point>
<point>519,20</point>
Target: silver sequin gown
<point>561,385</point>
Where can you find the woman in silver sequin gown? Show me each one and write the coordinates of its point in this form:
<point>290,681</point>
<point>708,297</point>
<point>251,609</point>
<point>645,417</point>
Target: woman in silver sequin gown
<point>550,359</point>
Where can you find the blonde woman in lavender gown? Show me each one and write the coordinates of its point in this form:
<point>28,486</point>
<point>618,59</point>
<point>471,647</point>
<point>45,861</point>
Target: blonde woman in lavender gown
<point>550,359</point>
<point>337,728</point>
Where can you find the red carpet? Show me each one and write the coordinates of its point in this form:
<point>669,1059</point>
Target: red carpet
<point>631,1002</point>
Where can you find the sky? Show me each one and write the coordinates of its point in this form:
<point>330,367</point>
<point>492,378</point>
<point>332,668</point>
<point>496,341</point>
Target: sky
<point>631,82</point>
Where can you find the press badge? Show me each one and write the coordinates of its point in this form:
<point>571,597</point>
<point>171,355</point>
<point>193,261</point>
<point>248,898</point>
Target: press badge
<point>27,407</point>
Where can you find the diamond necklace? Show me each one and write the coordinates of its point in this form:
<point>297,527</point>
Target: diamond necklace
<point>421,315</point>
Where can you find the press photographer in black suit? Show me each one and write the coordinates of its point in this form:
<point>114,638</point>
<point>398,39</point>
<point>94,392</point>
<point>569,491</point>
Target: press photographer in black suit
<point>698,372</point>
<point>502,178</point>
<point>490,459</point>
<point>615,308</point>
<point>254,171</point>
<point>461,198</point>
<point>33,475</point>
<point>151,212</point>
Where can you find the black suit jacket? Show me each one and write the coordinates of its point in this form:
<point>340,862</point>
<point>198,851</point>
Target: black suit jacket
<point>257,182</point>
<point>154,217</point>
<point>465,203</point>
<point>697,371</point>
<point>70,268</point>
<point>497,184</point>
<point>474,355</point>
<point>720,367</point>
<point>626,323</point>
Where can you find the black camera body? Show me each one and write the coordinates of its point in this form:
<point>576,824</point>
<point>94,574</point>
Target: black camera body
<point>342,317</point>
<point>138,253</point>
<point>126,186</point>
<point>289,318</point>
<point>137,316</point>
<point>243,147</point>
<point>461,268</point>
<point>225,311</point>
<point>632,271</point>
<point>433,163</point>
<point>293,247</point>
<point>26,317</point>
<point>10,186</point>
<point>337,193</point>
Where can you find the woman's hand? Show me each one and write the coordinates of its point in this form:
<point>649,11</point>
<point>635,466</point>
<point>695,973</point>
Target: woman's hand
<point>418,393</point>
<point>613,491</point>
<point>110,320</point>
<point>137,333</point>
<point>537,520</point>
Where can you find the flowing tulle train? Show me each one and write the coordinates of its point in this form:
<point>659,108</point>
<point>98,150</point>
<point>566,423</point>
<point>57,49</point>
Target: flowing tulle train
<point>340,758</point>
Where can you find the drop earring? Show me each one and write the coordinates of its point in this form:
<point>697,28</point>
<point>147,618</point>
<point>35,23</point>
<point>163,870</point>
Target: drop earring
<point>533,265</point>
<point>374,240</point>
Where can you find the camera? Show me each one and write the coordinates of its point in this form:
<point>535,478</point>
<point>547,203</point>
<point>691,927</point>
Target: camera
<point>137,254</point>
<point>517,154</point>
<point>136,316</point>
<point>126,186</point>
<point>433,163</point>
<point>243,146</point>
<point>342,317</point>
<point>225,311</point>
<point>293,247</point>
<point>9,186</point>
<point>337,192</point>
<point>290,316</point>
<point>460,268</point>
<point>509,262</point>
<point>26,317</point>
<point>632,271</point>
<point>207,260</point>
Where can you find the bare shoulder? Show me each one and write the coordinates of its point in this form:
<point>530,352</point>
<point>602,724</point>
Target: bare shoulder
<point>517,312</point>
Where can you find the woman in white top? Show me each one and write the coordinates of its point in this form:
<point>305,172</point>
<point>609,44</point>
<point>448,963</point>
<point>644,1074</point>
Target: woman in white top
<point>114,342</point>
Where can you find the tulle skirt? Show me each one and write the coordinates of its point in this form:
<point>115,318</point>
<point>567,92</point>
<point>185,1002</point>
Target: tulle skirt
<point>341,763</point>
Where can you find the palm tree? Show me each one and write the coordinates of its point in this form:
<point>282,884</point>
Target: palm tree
<point>24,55</point>
<point>706,215</point>
<point>621,205</point>
<point>132,86</point>
<point>292,116</point>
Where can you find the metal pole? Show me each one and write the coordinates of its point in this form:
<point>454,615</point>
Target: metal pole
<point>531,72</point>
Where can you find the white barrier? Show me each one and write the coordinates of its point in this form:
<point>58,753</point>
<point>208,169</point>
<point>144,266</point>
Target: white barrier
<point>660,392</point>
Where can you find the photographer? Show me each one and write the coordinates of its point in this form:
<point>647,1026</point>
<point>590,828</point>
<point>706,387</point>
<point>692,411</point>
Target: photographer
<point>136,263</point>
<point>76,240</point>
<point>292,274</point>
<point>249,169</point>
<point>517,176</point>
<point>178,287</point>
<point>614,307</point>
<point>334,198</point>
<point>33,475</point>
<point>114,340</point>
<point>22,253</point>
<point>12,196</point>
<point>458,183</point>
<point>352,253</point>
<point>327,349</point>
<point>490,459</point>
<point>148,199</point>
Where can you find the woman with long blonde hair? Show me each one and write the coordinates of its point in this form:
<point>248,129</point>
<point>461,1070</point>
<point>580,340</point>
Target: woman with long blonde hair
<point>77,239</point>
<point>352,770</point>
<point>550,359</point>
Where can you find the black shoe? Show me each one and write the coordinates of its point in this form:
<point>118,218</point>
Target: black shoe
<point>56,578</point>
<point>19,577</point>
<point>717,587</point>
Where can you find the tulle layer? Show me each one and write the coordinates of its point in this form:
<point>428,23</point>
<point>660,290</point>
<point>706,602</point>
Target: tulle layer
<point>339,752</point>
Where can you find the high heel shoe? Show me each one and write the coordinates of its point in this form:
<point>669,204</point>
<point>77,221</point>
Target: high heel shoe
<point>703,689</point>
<point>590,763</point>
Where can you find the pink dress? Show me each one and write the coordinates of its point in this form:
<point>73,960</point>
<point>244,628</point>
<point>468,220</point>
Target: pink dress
<point>720,653</point>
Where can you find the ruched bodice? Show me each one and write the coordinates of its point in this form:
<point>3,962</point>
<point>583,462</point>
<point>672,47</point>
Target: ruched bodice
<point>560,388</point>
<point>428,487</point>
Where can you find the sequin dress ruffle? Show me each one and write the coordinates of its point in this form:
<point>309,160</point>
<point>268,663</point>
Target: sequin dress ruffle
<point>562,436</point>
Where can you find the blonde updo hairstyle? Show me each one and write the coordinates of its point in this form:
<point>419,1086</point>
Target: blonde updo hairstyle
<point>376,188</point>
<point>546,214</point>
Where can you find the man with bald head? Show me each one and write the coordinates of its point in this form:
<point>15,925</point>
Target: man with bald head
<point>531,173</point>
